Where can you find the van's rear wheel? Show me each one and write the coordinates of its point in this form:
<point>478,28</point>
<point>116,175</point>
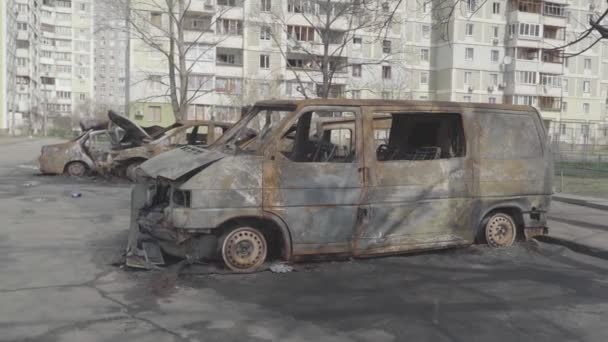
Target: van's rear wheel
<point>244,249</point>
<point>500,230</point>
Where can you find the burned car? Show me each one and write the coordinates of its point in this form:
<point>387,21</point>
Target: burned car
<point>133,144</point>
<point>77,156</point>
<point>386,177</point>
<point>120,145</point>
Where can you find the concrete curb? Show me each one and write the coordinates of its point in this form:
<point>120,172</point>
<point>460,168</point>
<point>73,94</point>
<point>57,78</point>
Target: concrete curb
<point>580,202</point>
<point>575,246</point>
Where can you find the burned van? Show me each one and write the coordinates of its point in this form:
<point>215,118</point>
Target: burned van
<point>337,178</point>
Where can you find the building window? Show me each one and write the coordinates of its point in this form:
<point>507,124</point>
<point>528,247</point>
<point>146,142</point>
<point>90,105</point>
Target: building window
<point>426,31</point>
<point>355,94</point>
<point>586,108</point>
<point>496,8</point>
<point>586,87</point>
<point>469,54</point>
<point>357,41</point>
<point>266,5</point>
<point>154,113</point>
<point>301,33</point>
<point>424,78</point>
<point>526,77</point>
<point>223,58</point>
<point>424,55</point>
<point>228,85</point>
<point>565,106</point>
<point>491,100</point>
<point>469,29</point>
<point>587,63</point>
<point>565,84</point>
<point>356,70</point>
<point>386,72</point>
<point>562,129</point>
<point>585,129</point>
<point>425,7</point>
<point>229,27</point>
<point>386,46</point>
<point>466,98</point>
<point>494,56</point>
<point>529,30</point>
<point>200,82</point>
<point>265,61</point>
<point>471,5</point>
<point>156,19</point>
<point>494,79</point>
<point>467,77</point>
<point>495,31</point>
<point>386,95</point>
<point>226,2</point>
<point>265,33</point>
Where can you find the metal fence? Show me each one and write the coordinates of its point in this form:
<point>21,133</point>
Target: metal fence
<point>580,155</point>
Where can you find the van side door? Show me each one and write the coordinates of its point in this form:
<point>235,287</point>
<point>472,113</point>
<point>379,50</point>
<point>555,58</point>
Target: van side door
<point>313,182</point>
<point>418,184</point>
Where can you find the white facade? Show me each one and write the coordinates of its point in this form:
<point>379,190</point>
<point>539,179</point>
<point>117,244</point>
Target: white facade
<point>502,52</point>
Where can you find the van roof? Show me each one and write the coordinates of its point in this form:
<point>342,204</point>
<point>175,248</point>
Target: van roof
<point>423,105</point>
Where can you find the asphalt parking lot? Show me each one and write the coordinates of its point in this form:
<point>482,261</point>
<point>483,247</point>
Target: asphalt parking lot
<point>60,283</point>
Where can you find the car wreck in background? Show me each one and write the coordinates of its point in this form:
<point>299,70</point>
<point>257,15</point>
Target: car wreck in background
<point>387,177</point>
<point>120,145</point>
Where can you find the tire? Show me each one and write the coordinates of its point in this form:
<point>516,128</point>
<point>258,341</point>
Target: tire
<point>500,230</point>
<point>243,249</point>
<point>76,169</point>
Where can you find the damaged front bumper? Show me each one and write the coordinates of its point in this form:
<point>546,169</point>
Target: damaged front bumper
<point>150,234</point>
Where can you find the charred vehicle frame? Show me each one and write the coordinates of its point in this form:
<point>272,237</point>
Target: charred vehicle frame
<point>386,177</point>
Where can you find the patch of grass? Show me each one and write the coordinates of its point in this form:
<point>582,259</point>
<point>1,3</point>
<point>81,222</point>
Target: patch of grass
<point>584,186</point>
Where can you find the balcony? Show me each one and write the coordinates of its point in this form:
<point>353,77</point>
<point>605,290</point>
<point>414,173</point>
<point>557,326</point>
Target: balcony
<point>229,57</point>
<point>549,104</point>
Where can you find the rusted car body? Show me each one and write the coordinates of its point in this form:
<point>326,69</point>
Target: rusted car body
<point>121,145</point>
<point>408,176</point>
<point>77,156</point>
<point>132,144</point>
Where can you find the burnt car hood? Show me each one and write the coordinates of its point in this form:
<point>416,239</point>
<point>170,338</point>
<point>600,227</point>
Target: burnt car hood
<point>133,131</point>
<point>180,161</point>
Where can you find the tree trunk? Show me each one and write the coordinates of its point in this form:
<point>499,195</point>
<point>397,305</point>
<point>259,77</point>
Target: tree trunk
<point>171,62</point>
<point>181,55</point>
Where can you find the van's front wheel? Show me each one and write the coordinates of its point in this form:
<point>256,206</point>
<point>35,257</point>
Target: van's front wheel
<point>500,230</point>
<point>244,249</point>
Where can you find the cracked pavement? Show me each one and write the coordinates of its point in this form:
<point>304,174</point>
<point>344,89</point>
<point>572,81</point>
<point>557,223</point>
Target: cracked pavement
<point>58,283</point>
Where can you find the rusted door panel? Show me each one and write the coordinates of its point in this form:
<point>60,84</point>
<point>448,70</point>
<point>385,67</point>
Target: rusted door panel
<point>318,201</point>
<point>416,204</point>
<point>509,156</point>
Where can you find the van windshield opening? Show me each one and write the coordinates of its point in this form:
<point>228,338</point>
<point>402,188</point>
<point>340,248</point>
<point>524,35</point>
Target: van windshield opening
<point>254,128</point>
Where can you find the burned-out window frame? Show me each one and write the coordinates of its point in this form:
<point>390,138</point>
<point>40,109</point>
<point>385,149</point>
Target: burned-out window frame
<point>461,154</point>
<point>286,127</point>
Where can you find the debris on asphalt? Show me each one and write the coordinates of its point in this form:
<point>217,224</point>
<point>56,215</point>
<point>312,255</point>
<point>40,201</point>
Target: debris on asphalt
<point>76,194</point>
<point>281,268</point>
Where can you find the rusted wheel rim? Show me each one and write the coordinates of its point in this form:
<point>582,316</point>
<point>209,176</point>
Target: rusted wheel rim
<point>500,231</point>
<point>76,169</point>
<point>244,249</point>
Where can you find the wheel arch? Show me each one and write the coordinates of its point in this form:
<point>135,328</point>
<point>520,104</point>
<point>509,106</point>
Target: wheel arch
<point>266,223</point>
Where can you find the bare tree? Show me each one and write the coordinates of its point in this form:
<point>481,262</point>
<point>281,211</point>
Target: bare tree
<point>180,32</point>
<point>326,31</point>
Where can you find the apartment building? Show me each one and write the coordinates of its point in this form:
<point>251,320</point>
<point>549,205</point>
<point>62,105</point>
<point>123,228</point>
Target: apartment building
<point>495,52</point>
<point>52,63</point>
<point>246,51</point>
<point>110,47</point>
<point>7,64</point>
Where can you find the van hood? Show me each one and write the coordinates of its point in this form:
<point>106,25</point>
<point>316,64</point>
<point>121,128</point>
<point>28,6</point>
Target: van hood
<point>180,161</point>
